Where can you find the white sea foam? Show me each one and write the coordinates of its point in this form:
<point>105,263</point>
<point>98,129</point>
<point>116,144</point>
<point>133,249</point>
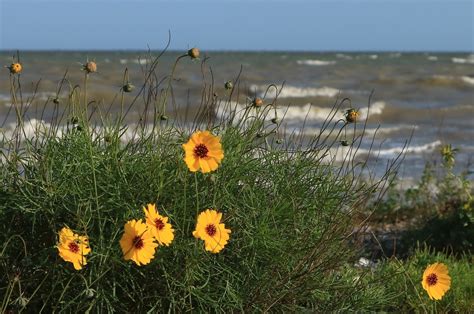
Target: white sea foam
<point>450,79</point>
<point>316,62</point>
<point>343,56</point>
<point>468,60</point>
<point>32,128</point>
<point>140,61</point>
<point>432,58</point>
<point>298,114</point>
<point>309,112</point>
<point>137,61</point>
<point>394,151</point>
<point>468,80</point>
<point>373,57</point>
<point>296,92</point>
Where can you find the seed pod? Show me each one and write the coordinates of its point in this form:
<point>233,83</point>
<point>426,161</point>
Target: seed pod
<point>257,102</point>
<point>275,120</point>
<point>127,88</point>
<point>279,141</point>
<point>344,143</point>
<point>89,293</point>
<point>351,115</point>
<point>56,101</point>
<point>193,53</point>
<point>228,85</point>
<point>15,68</point>
<point>90,67</point>
<point>164,117</point>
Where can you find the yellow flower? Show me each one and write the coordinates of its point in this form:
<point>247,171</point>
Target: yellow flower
<point>72,248</point>
<point>203,151</point>
<point>137,243</point>
<point>15,68</point>
<point>209,229</point>
<point>436,280</point>
<point>158,225</point>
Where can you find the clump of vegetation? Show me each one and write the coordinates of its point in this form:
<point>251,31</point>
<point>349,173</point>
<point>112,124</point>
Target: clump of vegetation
<point>403,279</point>
<point>437,211</point>
<point>77,193</point>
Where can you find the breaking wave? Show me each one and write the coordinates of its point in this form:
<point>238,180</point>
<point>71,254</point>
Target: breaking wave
<point>296,92</point>
<point>468,60</point>
<point>316,62</point>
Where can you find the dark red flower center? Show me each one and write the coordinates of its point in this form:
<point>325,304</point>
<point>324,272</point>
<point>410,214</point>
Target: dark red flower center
<point>159,224</point>
<point>211,230</point>
<point>201,151</point>
<point>73,247</point>
<point>432,279</point>
<point>138,242</point>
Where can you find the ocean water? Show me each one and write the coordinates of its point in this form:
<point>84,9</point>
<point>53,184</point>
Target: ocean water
<point>427,98</point>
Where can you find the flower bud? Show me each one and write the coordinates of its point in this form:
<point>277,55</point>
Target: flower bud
<point>193,53</point>
<point>15,68</point>
<point>257,102</point>
<point>351,115</point>
<point>228,85</point>
<point>127,88</point>
<point>90,67</point>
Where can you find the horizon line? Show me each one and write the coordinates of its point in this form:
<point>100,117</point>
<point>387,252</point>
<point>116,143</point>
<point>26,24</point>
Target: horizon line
<point>235,50</point>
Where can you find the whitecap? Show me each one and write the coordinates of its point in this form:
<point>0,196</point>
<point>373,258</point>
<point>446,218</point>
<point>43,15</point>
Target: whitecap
<point>468,80</point>
<point>343,56</point>
<point>468,60</point>
<point>432,58</point>
<point>296,92</point>
<point>395,151</point>
<point>296,114</point>
<point>140,61</point>
<point>316,62</point>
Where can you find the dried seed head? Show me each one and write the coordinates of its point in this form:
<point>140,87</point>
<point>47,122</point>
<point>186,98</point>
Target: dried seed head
<point>127,88</point>
<point>56,101</point>
<point>257,102</point>
<point>275,120</point>
<point>15,68</point>
<point>344,143</point>
<point>352,115</point>
<point>228,85</point>
<point>279,141</point>
<point>164,117</point>
<point>193,53</point>
<point>90,67</point>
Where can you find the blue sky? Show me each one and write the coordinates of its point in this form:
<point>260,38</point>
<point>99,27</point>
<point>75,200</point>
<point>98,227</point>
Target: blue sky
<point>338,25</point>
